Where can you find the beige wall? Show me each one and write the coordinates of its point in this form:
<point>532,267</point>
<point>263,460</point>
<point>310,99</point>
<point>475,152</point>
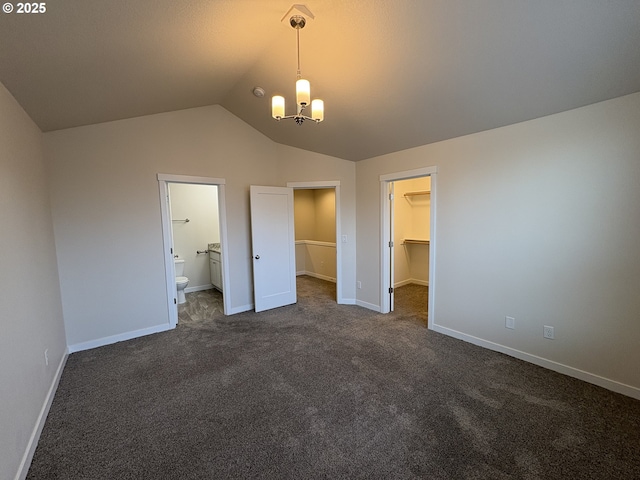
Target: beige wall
<point>304,206</point>
<point>315,232</point>
<point>325,215</point>
<point>538,221</point>
<point>315,217</point>
<point>31,308</point>
<point>106,209</point>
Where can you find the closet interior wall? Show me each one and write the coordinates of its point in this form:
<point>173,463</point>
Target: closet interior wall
<point>315,232</point>
<point>412,203</point>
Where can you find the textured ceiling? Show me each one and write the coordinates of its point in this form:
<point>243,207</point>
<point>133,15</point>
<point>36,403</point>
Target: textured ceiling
<point>394,74</point>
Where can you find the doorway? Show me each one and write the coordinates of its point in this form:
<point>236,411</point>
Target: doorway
<point>199,202</point>
<point>317,231</point>
<point>408,235</point>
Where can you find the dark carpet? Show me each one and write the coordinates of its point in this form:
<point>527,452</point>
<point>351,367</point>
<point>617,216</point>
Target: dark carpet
<point>320,390</point>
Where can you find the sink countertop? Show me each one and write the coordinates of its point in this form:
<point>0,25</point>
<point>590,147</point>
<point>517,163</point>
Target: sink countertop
<point>214,247</point>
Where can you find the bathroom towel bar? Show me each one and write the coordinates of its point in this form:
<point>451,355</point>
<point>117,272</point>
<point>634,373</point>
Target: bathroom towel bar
<point>186,220</point>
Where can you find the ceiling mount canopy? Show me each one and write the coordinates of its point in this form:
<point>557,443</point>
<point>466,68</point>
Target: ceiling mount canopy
<point>303,87</point>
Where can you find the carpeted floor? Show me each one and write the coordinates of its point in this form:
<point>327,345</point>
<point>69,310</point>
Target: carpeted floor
<point>320,390</point>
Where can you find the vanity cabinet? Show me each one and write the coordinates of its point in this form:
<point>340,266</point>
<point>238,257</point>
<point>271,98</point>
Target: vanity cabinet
<point>216,269</point>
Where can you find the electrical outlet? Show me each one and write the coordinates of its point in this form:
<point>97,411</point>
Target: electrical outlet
<point>344,239</point>
<point>509,322</point>
<point>547,332</point>
<point>46,357</point>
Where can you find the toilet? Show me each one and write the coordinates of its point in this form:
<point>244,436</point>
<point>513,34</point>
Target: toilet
<point>181,280</point>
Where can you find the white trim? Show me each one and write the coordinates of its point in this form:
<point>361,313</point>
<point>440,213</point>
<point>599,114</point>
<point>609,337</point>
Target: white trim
<point>411,281</point>
<point>433,256</point>
<point>368,306</point>
<point>407,174</point>
<point>23,469</point>
<point>335,184</point>
<point>190,179</point>
<point>316,275</point>
<point>167,244</point>
<point>385,236</point>
<point>385,254</point>
<point>224,248</point>
<point>612,385</point>
<point>316,242</point>
<point>199,288</point>
<point>349,301</point>
<point>163,180</point>
<point>121,337</point>
<point>314,185</point>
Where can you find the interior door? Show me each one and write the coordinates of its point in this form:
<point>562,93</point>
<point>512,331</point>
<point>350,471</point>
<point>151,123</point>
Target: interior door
<point>273,244</point>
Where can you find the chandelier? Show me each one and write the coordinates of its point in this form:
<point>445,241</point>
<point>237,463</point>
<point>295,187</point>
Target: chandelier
<point>303,89</point>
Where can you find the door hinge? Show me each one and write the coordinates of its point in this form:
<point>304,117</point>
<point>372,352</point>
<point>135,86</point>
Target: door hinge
<point>391,244</point>
<point>175,301</point>
<point>391,196</point>
<point>171,250</point>
<point>390,289</point>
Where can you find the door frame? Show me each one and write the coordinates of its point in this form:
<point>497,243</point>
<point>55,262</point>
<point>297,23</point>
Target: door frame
<point>335,184</point>
<point>169,266</point>
<point>385,235</point>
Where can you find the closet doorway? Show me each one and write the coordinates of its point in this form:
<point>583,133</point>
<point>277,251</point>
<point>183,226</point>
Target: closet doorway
<point>408,234</point>
<point>317,230</point>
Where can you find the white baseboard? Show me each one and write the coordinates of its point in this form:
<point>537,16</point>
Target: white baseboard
<point>316,275</point>
<point>42,418</point>
<point>367,305</point>
<point>348,301</point>
<point>410,281</point>
<point>198,288</point>
<point>612,385</point>
<point>101,342</point>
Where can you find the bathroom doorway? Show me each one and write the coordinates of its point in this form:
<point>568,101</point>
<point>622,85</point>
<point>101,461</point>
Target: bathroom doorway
<point>408,240</point>
<point>317,230</point>
<point>194,231</point>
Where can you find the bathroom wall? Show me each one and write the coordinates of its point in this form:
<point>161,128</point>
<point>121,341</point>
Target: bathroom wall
<point>31,318</point>
<point>538,221</point>
<point>315,232</point>
<point>411,220</point>
<point>198,203</point>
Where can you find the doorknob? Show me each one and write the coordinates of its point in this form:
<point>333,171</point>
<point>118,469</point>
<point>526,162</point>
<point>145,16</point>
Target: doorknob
<point>257,257</point>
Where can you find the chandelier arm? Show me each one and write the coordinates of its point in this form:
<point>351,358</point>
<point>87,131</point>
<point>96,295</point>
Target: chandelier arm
<point>298,118</point>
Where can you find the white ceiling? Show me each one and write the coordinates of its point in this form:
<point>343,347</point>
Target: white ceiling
<point>394,74</point>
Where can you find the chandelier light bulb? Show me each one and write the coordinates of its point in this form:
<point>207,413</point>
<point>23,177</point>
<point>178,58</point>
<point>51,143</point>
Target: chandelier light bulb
<point>277,107</point>
<point>303,92</point>
<point>317,110</point>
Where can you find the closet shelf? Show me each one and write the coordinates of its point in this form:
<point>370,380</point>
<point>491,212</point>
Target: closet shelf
<point>415,241</point>
<point>420,192</point>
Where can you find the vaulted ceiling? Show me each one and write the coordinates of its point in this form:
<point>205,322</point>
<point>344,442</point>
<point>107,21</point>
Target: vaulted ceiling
<point>394,74</point>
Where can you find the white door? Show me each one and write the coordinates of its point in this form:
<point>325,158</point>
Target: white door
<point>273,244</point>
